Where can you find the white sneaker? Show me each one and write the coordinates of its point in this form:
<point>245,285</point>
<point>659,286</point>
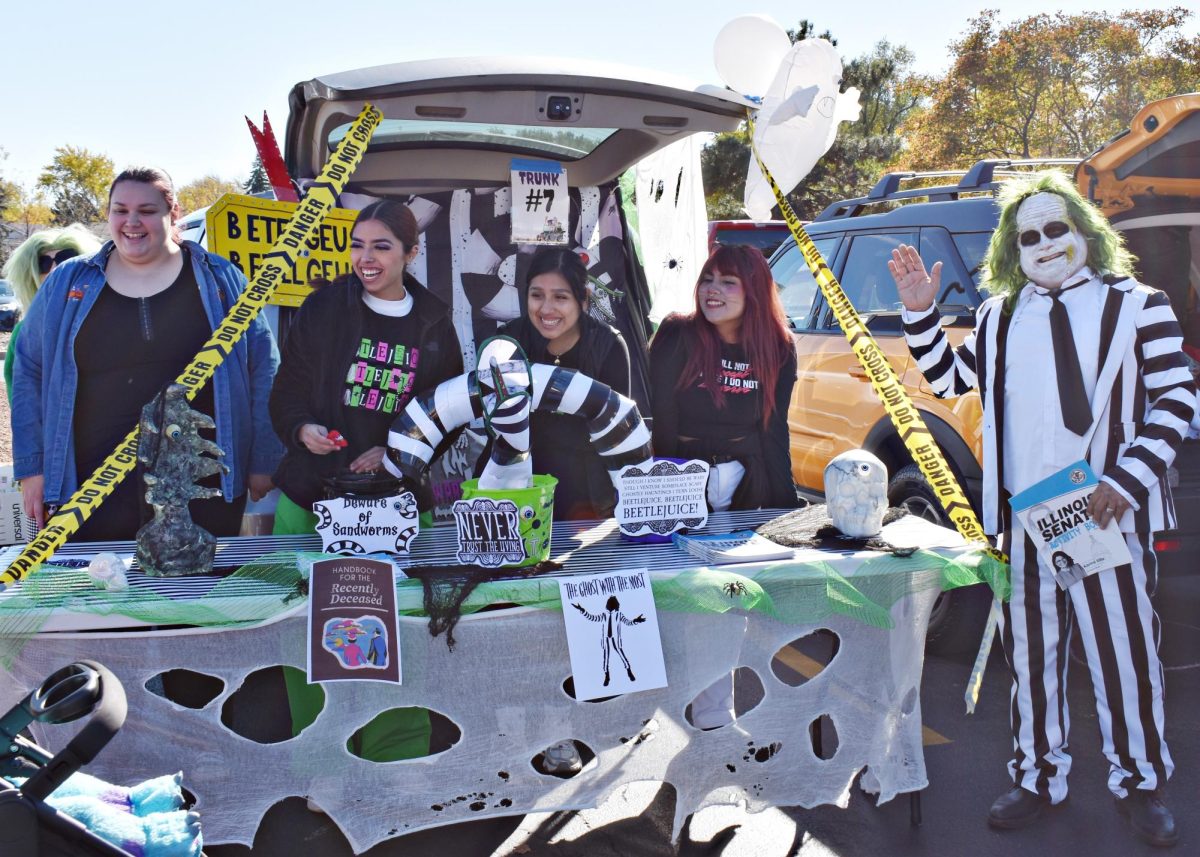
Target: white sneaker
<point>562,759</point>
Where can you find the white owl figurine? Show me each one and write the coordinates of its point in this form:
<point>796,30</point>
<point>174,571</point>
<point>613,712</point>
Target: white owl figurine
<point>856,493</point>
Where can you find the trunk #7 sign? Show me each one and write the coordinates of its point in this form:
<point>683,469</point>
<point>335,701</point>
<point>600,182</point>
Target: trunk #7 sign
<point>541,204</point>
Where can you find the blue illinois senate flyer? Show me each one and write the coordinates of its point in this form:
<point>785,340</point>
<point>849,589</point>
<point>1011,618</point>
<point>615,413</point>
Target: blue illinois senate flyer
<point>1054,513</point>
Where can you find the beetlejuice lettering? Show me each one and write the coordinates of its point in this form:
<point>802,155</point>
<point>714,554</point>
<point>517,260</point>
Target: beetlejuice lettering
<point>381,376</point>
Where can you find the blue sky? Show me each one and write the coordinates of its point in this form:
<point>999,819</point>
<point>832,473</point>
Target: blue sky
<point>168,84</point>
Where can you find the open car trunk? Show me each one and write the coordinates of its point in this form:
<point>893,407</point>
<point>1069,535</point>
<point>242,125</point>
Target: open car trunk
<point>451,129</point>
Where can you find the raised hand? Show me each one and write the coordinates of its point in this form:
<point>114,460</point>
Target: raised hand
<point>916,287</point>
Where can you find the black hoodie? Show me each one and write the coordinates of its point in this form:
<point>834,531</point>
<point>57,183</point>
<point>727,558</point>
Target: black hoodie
<point>311,382</point>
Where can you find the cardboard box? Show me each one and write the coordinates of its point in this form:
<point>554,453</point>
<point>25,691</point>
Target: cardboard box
<point>15,527</point>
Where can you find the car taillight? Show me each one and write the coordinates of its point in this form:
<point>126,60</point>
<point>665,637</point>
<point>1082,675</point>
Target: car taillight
<point>1167,545</point>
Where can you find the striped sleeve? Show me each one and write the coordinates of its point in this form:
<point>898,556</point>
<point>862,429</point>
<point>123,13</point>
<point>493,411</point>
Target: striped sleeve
<point>950,371</point>
<point>1171,393</point>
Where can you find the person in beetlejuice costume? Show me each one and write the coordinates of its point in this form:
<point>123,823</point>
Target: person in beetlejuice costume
<point>1094,369</point>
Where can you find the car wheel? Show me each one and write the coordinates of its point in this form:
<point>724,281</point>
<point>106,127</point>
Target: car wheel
<point>958,617</point>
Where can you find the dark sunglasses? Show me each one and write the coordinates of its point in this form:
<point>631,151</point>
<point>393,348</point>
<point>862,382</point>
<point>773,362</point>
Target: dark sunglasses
<point>1053,229</point>
<point>47,261</point>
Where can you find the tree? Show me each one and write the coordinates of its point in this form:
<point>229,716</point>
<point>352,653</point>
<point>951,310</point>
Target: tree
<point>1051,85</point>
<point>204,191</point>
<point>7,192</point>
<point>24,208</point>
<point>78,183</point>
<point>257,183</point>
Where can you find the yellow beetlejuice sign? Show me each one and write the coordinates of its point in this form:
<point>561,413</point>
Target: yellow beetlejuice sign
<point>285,251</point>
<point>244,230</point>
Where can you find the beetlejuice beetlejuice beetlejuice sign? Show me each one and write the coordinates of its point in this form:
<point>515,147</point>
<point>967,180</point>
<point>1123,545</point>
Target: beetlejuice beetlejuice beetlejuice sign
<point>662,498</point>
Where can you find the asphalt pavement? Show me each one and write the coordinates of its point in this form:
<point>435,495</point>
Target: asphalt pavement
<point>965,757</point>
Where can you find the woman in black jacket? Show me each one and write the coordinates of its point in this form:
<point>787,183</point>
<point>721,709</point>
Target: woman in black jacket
<point>359,350</point>
<point>557,330</point>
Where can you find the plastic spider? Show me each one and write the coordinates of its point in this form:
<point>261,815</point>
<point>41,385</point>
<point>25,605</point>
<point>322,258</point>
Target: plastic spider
<point>734,588</point>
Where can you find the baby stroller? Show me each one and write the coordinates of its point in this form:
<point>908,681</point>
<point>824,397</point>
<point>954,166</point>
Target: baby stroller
<point>29,826</point>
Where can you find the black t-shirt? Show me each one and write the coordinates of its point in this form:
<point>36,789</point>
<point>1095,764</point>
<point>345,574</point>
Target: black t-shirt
<point>379,381</point>
<point>126,350</point>
<point>742,414</point>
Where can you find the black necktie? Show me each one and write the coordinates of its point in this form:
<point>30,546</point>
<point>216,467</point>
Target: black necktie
<point>1072,397</point>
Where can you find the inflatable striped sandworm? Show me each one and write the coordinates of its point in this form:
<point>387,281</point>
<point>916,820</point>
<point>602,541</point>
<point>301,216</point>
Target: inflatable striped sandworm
<point>614,423</point>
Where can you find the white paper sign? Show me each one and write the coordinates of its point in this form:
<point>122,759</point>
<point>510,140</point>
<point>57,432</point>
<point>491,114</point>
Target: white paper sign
<point>612,633</point>
<point>662,499</point>
<point>541,204</point>
<point>381,524</point>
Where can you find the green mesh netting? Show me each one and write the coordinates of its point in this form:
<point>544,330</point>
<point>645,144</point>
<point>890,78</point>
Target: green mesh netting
<point>790,591</point>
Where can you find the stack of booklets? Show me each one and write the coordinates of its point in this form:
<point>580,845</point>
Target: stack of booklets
<point>724,548</point>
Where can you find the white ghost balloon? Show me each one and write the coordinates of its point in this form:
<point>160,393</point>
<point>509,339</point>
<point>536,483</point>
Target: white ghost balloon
<point>747,52</point>
<point>856,493</point>
<point>798,121</point>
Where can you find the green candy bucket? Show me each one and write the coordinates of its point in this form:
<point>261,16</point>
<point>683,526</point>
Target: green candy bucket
<point>535,511</point>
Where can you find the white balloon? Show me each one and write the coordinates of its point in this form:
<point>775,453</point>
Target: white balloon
<point>748,51</point>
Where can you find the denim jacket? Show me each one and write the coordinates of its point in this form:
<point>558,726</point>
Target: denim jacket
<point>46,377</point>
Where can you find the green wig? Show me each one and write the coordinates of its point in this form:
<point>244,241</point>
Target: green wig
<point>21,269</point>
<point>1002,267</point>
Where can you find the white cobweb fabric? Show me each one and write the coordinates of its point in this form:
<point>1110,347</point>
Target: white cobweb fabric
<point>502,686</point>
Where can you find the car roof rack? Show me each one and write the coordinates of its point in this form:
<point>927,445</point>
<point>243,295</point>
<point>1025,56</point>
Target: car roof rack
<point>981,178</point>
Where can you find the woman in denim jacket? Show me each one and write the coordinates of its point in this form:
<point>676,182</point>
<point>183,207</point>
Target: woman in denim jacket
<point>105,333</point>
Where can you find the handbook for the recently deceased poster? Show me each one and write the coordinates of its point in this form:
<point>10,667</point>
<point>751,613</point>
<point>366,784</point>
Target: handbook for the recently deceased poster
<point>1054,513</point>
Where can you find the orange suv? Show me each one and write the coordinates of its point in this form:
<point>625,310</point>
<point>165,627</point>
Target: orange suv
<point>1145,180</point>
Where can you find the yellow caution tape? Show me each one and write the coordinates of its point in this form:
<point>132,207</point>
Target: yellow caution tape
<point>918,439</point>
<point>318,201</point>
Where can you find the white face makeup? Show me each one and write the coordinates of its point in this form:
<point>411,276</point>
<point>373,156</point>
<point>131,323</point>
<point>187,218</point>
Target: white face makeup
<point>1052,250</point>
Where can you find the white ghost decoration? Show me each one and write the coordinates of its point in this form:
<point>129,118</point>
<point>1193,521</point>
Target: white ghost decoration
<point>856,493</point>
<point>798,121</point>
<point>671,223</point>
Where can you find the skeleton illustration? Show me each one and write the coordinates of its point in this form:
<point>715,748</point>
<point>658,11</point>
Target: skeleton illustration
<point>610,622</point>
<point>172,453</point>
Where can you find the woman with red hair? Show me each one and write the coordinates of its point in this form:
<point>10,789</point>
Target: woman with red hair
<point>721,381</point>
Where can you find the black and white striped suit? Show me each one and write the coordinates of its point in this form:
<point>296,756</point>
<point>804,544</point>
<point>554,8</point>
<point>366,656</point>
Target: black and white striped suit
<point>1142,403</point>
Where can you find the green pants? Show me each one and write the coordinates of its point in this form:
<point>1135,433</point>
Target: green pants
<point>399,733</point>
